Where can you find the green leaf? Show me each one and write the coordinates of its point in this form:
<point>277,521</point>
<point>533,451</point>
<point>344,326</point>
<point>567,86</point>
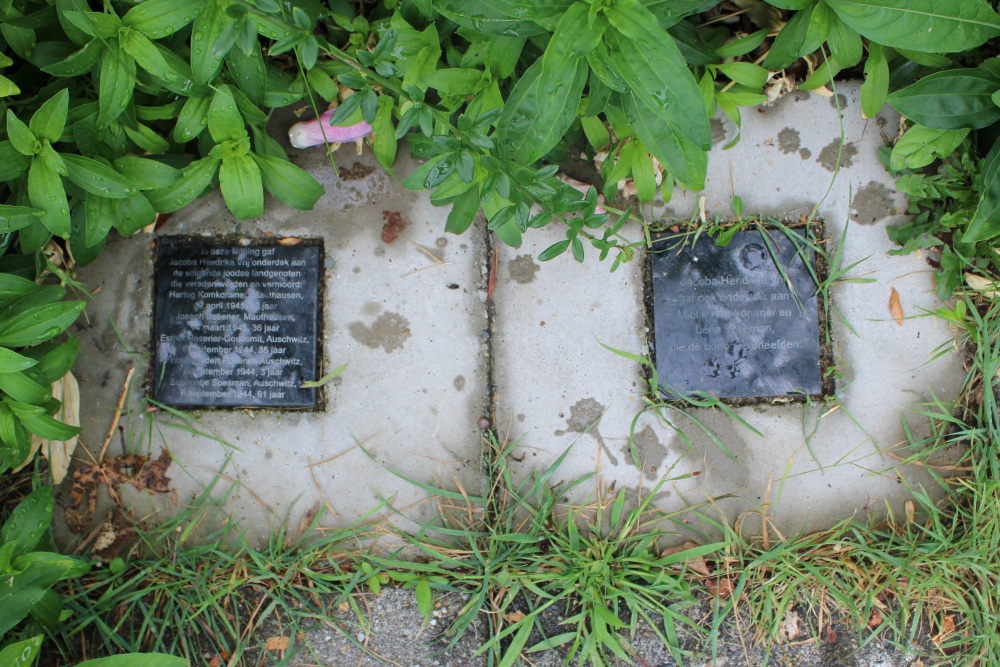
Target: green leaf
<point>145,53</point>
<point>526,132</point>
<point>38,324</point>
<point>509,233</point>
<point>876,86</point>
<point>136,660</point>
<point>97,178</point>
<point>22,388</point>
<point>50,119</point>
<point>19,592</point>
<point>384,140</point>
<point>986,222</point>
<point>651,64</point>
<point>45,191</point>
<point>161,18</point>
<point>250,74</point>
<point>804,33</point>
<point>39,423</point>
<point>117,81</point>
<point>596,132</point>
<point>224,120</point>
<point>21,138</point>
<point>950,100</point>
<point>95,24</point>
<point>240,182</point>
<point>17,217</point>
<point>920,145</point>
<point>463,211</point>
<point>29,521</point>
<point>921,25</point>
<point>146,139</point>
<point>208,27</point>
<point>54,360</point>
<point>21,654</point>
<point>133,214</point>
<point>193,181</point>
<point>99,214</point>
<point>145,173</point>
<point>740,46</point>
<point>192,119</point>
<point>79,62</point>
<point>553,251</point>
<point>12,287</point>
<point>791,4</point>
<point>747,74</point>
<point>686,161</point>
<point>13,163</point>
<point>845,44</point>
<point>287,182</point>
<point>11,362</point>
<point>455,81</point>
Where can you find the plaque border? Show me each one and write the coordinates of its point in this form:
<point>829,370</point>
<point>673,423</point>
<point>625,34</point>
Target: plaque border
<point>230,240</point>
<point>816,230</point>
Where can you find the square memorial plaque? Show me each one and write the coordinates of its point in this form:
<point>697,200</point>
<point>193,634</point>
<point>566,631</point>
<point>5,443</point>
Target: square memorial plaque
<point>236,325</point>
<point>727,322</point>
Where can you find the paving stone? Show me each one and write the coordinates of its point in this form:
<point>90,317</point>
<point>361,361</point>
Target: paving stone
<point>806,466</point>
<point>407,317</point>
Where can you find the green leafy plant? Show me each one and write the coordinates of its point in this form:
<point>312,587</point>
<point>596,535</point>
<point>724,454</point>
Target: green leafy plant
<point>27,575</point>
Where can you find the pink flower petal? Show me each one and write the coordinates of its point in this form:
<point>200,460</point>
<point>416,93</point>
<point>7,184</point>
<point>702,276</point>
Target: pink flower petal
<point>318,131</point>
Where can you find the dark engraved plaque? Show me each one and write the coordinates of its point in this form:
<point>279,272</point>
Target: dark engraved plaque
<point>727,321</point>
<point>236,324</point>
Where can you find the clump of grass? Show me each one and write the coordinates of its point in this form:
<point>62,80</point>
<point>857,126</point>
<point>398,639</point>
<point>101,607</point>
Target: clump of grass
<point>213,596</point>
<point>930,577</point>
<point>519,552</point>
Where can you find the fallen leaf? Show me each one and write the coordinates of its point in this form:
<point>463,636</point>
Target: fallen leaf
<point>875,619</point>
<point>289,241</point>
<point>276,643</point>
<point>722,588</point>
<point>215,662</point>
<point>514,616</point>
<point>984,286</point>
<point>831,635</point>
<point>394,226</point>
<point>946,630</point>
<point>895,307</point>
<point>910,510</point>
<point>697,564</point>
<point>790,626</point>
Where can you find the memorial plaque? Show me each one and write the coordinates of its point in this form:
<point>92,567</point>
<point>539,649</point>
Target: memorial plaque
<point>726,320</point>
<point>236,325</point>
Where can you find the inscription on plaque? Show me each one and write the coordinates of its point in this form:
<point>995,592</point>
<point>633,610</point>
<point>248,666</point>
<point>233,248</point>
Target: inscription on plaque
<point>727,321</point>
<point>236,325</point>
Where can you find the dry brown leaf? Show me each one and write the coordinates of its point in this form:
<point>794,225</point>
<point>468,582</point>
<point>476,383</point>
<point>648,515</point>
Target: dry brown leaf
<point>514,616</point>
<point>289,241</point>
<point>394,226</point>
<point>947,629</point>
<point>276,643</point>
<point>722,588</point>
<point>789,626</point>
<point>697,564</point>
<point>895,307</point>
<point>910,510</point>
<point>875,619</point>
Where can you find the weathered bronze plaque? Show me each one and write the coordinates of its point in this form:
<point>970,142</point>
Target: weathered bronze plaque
<point>739,321</point>
<point>236,324</point>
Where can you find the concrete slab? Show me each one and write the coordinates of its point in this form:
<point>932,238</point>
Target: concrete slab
<point>407,317</point>
<point>806,466</point>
